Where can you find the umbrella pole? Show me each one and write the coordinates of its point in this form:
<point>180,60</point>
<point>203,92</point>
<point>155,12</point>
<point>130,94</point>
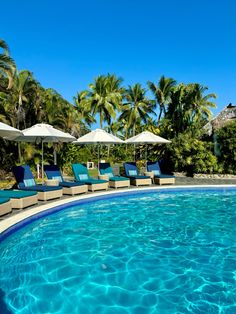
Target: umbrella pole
<point>42,164</point>
<point>98,157</point>
<point>146,153</point>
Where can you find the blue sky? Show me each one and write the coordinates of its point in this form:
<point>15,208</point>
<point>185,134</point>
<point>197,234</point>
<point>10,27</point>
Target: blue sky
<point>66,44</point>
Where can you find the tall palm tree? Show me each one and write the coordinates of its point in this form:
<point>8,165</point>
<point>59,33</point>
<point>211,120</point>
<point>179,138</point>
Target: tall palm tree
<point>105,97</point>
<point>201,103</point>
<point>162,92</point>
<point>24,88</point>
<point>7,67</point>
<point>189,108</point>
<point>137,107</point>
<point>82,105</point>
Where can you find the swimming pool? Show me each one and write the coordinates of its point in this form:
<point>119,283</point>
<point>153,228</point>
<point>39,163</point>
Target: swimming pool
<point>153,252</point>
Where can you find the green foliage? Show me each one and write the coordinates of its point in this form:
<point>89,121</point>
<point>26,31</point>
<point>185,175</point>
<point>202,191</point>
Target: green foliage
<point>190,155</point>
<point>181,112</point>
<point>227,144</point>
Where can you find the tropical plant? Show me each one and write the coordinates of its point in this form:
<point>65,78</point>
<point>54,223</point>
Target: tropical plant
<point>105,97</point>
<point>136,109</point>
<point>227,144</point>
<point>162,92</point>
<point>7,67</point>
<point>83,106</point>
<point>189,108</point>
<point>189,154</point>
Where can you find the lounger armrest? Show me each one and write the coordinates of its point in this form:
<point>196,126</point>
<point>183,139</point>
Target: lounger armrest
<point>149,174</point>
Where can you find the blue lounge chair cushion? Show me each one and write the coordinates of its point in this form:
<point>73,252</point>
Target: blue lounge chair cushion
<point>164,176</point>
<point>155,168</point>
<point>16,193</point>
<point>59,178</point>
<point>4,200</point>
<point>29,182</point>
<point>116,178</point>
<point>41,188</point>
<point>131,171</point>
<point>94,181</point>
<point>139,177</point>
<point>23,173</point>
<point>83,177</point>
<point>53,172</point>
<point>79,169</point>
<point>106,169</point>
<point>69,184</point>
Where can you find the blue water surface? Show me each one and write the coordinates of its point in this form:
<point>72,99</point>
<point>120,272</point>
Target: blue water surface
<point>158,252</point>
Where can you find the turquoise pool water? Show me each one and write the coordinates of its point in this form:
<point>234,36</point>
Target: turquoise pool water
<point>162,252</point>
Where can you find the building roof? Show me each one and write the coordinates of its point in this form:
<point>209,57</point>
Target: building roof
<point>227,115</point>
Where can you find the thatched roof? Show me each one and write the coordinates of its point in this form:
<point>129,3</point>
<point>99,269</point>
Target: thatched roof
<point>227,115</point>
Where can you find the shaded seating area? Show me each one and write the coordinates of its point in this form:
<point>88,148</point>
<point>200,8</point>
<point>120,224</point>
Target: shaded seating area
<point>5,206</point>
<point>81,174</point>
<point>106,173</point>
<point>131,172</point>
<point>159,177</point>
<point>20,199</point>
<point>69,188</point>
<point>26,181</point>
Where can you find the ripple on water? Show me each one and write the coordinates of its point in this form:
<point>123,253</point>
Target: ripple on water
<point>145,254</point>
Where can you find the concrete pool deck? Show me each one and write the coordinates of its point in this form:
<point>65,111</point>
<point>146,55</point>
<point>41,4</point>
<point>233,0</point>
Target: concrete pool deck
<point>17,216</point>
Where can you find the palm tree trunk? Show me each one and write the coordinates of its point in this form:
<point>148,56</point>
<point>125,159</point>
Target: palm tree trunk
<point>19,153</point>
<point>160,114</point>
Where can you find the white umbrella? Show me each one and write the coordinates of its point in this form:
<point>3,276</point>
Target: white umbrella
<point>98,136</point>
<point>8,132</point>
<point>44,133</point>
<point>145,138</point>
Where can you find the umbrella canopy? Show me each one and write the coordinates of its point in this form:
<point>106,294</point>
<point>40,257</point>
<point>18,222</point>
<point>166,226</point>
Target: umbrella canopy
<point>8,132</point>
<point>145,138</point>
<point>44,133</point>
<point>98,136</point>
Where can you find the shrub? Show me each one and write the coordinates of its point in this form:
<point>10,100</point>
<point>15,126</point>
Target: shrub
<point>190,155</point>
<point>227,145</point>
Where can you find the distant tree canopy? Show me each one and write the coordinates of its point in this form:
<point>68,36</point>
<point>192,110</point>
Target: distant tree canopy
<point>176,111</point>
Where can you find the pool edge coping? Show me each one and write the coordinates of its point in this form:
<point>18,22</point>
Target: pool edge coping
<point>22,218</point>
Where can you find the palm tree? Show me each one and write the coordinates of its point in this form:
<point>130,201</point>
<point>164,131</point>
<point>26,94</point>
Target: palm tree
<point>200,103</point>
<point>82,105</point>
<point>137,107</point>
<point>23,89</point>
<point>162,92</point>
<point>105,97</point>
<point>189,107</point>
<point>7,68</point>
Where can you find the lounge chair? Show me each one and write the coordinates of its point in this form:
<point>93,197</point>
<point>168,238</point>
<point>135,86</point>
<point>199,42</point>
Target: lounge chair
<point>5,206</point>
<point>20,199</point>
<point>159,178</point>
<point>26,181</point>
<point>106,173</point>
<point>69,188</point>
<point>81,175</point>
<point>131,172</point>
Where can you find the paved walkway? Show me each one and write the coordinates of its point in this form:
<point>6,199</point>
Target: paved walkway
<point>197,181</point>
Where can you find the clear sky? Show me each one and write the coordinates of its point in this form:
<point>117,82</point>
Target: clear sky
<point>66,44</point>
